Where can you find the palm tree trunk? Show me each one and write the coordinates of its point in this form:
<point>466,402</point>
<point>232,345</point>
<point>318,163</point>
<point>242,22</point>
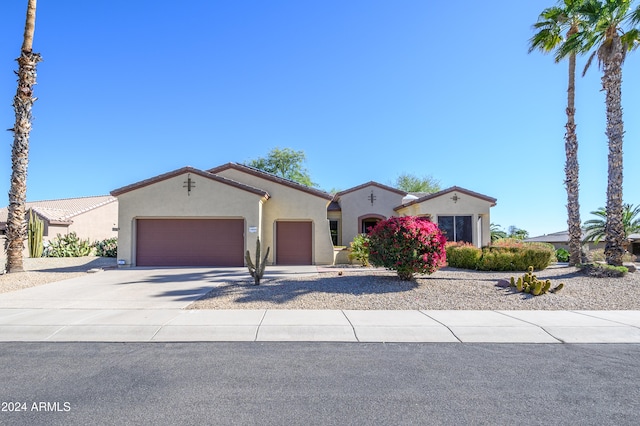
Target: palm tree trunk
<point>612,84</point>
<point>22,104</point>
<point>571,170</point>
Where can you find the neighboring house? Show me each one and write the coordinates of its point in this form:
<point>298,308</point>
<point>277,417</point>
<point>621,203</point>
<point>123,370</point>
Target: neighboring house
<point>635,244</point>
<point>191,217</point>
<point>92,218</point>
<point>561,240</point>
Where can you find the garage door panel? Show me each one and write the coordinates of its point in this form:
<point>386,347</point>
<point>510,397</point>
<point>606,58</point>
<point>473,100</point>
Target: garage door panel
<point>293,243</point>
<point>190,242</point>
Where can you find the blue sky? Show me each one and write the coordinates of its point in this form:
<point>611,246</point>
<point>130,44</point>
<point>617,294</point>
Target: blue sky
<point>367,89</point>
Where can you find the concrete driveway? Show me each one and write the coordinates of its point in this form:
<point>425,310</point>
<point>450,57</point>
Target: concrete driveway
<point>137,288</point>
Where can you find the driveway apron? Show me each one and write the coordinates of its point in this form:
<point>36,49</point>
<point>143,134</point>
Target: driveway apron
<point>137,288</point>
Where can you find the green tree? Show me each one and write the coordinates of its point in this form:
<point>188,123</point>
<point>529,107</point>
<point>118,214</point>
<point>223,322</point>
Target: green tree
<point>556,25</point>
<point>411,183</point>
<point>286,163</point>
<point>517,233</point>
<point>496,232</point>
<point>16,231</point>
<point>595,229</point>
<point>611,42</point>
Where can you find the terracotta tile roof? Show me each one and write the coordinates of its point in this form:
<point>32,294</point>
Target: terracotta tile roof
<point>445,191</point>
<point>195,171</point>
<point>63,210</point>
<point>270,176</point>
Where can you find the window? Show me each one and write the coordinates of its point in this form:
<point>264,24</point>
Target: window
<point>456,228</point>
<point>333,229</point>
<point>367,223</point>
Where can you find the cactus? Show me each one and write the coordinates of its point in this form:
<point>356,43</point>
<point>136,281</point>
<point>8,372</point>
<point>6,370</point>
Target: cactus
<point>257,270</point>
<point>529,283</point>
<point>35,231</point>
<point>557,289</point>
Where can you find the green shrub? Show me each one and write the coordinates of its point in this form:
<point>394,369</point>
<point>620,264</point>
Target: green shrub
<point>597,255</point>
<point>407,245</point>
<point>602,270</point>
<point>562,255</point>
<point>107,248</point>
<point>359,249</point>
<point>515,255</point>
<point>68,246</point>
<point>516,258</point>
<point>463,255</point>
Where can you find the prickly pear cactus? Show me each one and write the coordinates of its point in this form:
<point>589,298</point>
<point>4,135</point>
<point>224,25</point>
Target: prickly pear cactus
<point>529,283</point>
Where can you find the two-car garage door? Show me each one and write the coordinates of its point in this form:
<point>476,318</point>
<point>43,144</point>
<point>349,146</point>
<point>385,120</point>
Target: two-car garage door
<point>214,242</point>
<point>190,242</point>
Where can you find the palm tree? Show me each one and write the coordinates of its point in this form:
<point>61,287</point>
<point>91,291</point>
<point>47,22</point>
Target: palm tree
<point>595,229</point>
<point>612,43</point>
<point>555,26</point>
<point>22,104</point>
<point>496,232</point>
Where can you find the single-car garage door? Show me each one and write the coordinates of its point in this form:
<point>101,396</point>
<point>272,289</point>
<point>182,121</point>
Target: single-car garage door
<point>293,243</point>
<point>190,242</point>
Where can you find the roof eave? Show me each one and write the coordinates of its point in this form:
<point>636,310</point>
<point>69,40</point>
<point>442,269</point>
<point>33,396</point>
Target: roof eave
<point>188,169</point>
<point>271,177</point>
<point>491,200</point>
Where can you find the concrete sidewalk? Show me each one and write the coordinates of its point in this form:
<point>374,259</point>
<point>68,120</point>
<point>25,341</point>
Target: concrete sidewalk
<point>177,325</point>
<point>147,305</point>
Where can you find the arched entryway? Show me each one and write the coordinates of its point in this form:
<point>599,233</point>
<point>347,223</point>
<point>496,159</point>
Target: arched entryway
<point>366,222</point>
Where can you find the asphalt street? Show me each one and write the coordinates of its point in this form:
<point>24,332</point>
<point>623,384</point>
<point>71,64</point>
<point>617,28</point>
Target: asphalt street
<point>276,383</point>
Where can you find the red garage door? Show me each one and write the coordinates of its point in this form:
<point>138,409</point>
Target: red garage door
<point>293,243</point>
<point>190,242</point>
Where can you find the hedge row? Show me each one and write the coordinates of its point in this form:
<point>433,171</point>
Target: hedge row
<point>504,255</point>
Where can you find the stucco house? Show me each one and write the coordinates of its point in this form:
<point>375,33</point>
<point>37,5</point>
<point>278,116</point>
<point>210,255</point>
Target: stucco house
<point>561,240</point>
<point>192,217</point>
<point>461,214</point>
<point>92,218</point>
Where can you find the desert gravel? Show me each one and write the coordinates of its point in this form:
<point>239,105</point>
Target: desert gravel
<point>371,288</point>
<point>448,288</point>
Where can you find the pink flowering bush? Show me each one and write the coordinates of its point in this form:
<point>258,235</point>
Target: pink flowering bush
<point>408,245</point>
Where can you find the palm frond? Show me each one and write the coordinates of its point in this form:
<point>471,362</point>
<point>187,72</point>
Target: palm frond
<point>546,40</point>
<point>588,64</point>
<point>631,39</point>
<point>634,16</point>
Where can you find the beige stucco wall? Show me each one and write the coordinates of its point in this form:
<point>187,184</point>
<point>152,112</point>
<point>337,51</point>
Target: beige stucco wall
<point>287,203</point>
<point>466,205</point>
<point>97,224</point>
<point>357,204</point>
<point>52,231</point>
<point>169,199</point>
